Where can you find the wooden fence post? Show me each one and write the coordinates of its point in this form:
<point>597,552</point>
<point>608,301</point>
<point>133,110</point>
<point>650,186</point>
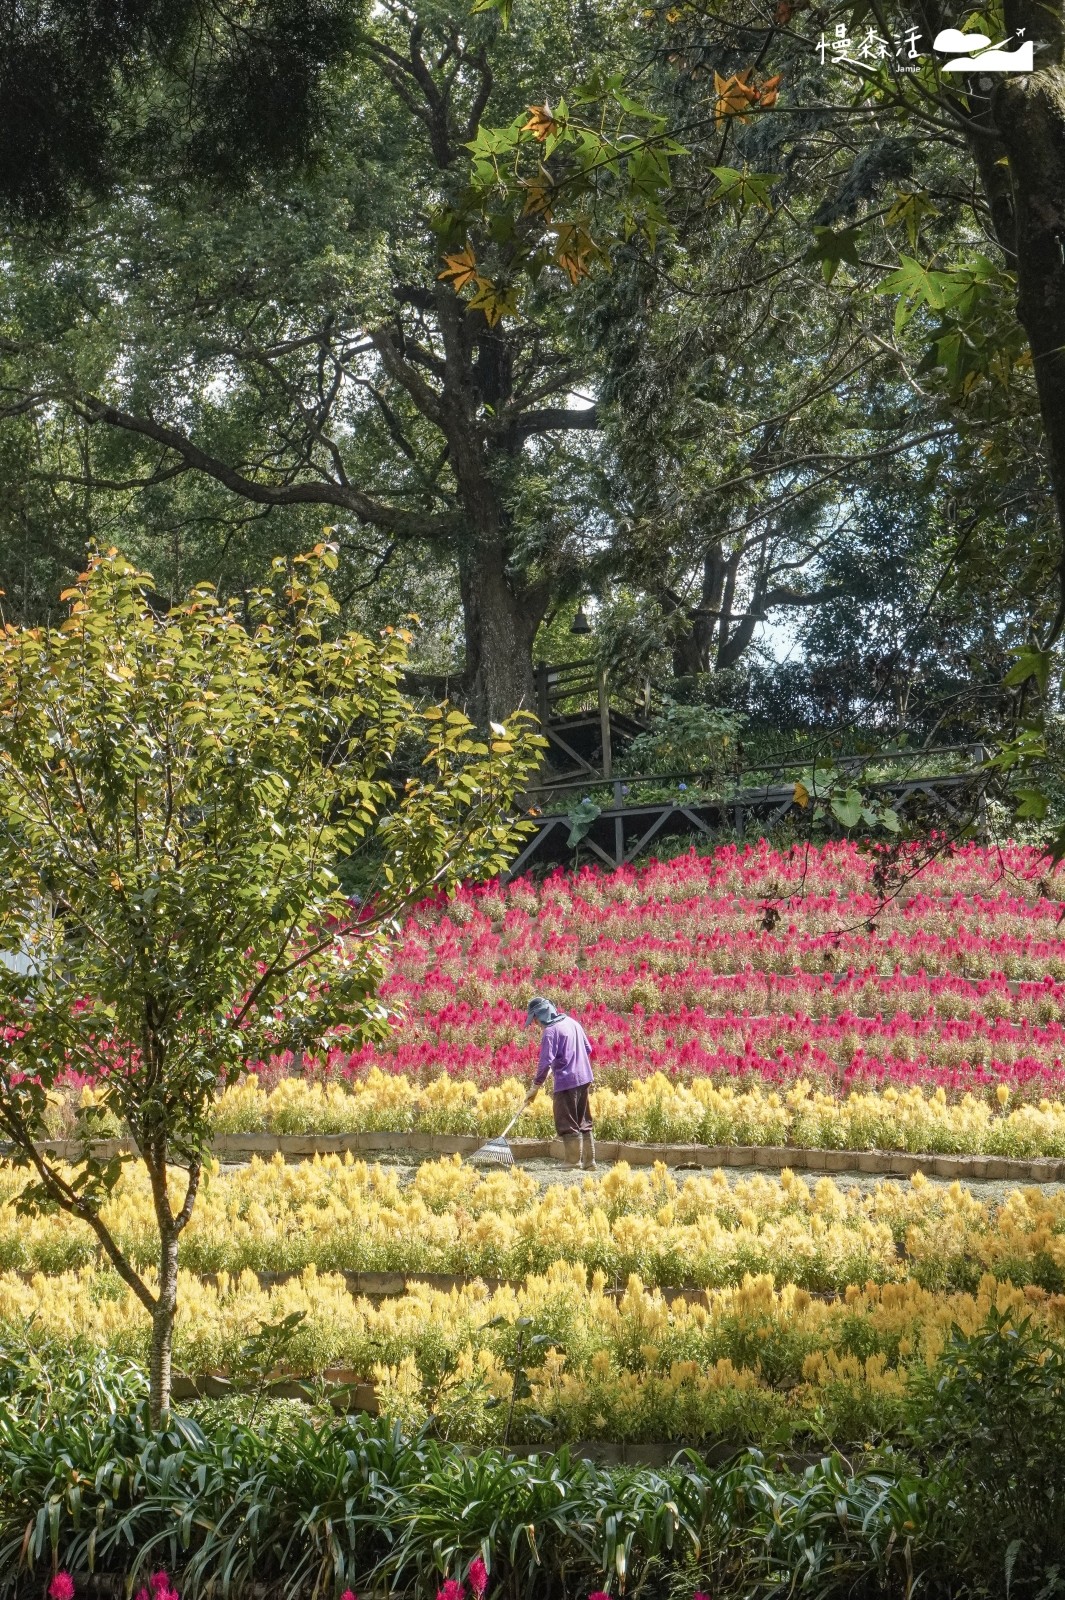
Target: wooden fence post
<point>604,724</point>
<point>543,706</point>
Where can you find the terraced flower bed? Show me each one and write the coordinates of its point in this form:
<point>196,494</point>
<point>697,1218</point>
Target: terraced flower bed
<point>747,1363</point>
<point>930,1023</point>
<point>343,1215</point>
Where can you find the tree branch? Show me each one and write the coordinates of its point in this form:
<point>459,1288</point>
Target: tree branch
<point>554,418</point>
<point>407,524</point>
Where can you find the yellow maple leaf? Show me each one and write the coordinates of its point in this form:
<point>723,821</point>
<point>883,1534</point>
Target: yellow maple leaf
<point>496,303</point>
<point>766,93</point>
<point>734,96</point>
<point>801,796</point>
<point>461,268</point>
<point>538,192</point>
<point>575,248</point>
<point>541,124</point>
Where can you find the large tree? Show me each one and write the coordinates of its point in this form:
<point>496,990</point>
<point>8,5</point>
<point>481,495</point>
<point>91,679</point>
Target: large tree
<point>934,195</point>
<point>316,344</point>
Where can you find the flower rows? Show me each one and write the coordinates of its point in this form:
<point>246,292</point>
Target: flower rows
<point>745,964</point>
<point>658,1110</point>
<point>343,1215</point>
<point>749,1362</point>
<point>758,871</point>
<point>974,1052</point>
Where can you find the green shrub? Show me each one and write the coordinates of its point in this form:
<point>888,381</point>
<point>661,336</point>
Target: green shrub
<point>989,1422</point>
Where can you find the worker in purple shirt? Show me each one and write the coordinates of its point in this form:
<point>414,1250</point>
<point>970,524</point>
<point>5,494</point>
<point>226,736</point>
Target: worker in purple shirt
<point>565,1051</point>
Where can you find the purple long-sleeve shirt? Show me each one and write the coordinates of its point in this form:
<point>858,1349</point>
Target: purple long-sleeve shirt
<point>565,1051</point>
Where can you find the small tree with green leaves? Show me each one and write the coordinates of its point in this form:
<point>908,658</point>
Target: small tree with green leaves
<point>174,793</point>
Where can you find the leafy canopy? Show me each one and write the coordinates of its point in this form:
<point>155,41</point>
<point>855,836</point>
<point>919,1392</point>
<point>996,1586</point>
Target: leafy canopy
<point>174,794</point>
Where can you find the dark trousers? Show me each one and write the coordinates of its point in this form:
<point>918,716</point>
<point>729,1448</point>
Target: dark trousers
<point>571,1111</point>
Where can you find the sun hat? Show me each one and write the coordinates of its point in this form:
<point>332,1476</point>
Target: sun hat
<point>540,1010</point>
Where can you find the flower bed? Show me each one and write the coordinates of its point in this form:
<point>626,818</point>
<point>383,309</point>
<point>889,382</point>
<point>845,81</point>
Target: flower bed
<point>751,1363</point>
<point>659,1110</point>
<point>746,965</point>
<point>746,969</point>
<point>337,1215</point>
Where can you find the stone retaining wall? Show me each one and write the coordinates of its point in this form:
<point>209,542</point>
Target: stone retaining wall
<point>235,1147</point>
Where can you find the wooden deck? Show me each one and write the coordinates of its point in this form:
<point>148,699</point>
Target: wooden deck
<point>622,831</point>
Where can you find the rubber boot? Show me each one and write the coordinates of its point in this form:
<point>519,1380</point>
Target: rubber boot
<point>571,1144</point>
<point>587,1152</point>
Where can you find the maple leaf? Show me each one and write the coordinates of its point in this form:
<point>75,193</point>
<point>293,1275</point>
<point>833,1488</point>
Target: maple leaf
<point>740,190</point>
<point>766,93</point>
<point>734,95</point>
<point>496,303</point>
<point>575,247</point>
<point>910,209</point>
<point>541,123</point>
<point>461,268</point>
<point>538,192</point>
<point>504,7</point>
<point>831,248</point>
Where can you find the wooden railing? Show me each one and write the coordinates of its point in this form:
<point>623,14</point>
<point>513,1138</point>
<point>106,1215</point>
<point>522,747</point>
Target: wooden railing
<point>624,825</point>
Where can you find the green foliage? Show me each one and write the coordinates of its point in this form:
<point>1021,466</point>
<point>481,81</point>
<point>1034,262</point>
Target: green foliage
<point>352,1500</point>
<point>174,792</point>
<point>831,248</point>
<point>840,794</point>
<point>989,1419</point>
<point>536,184</point>
<point>93,92</point>
<point>86,1483</point>
<point>581,818</point>
<point>686,738</point>
<point>834,1530</point>
<point>978,336</point>
<point>742,190</point>
<point>349,1502</point>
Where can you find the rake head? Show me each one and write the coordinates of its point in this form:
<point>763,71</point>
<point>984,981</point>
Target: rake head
<point>497,1150</point>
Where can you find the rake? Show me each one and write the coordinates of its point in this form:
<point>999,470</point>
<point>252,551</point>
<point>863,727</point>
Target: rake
<point>497,1149</point>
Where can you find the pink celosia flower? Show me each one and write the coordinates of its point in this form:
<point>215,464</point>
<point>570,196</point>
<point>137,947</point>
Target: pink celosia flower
<point>61,1587</point>
<point>349,1594</point>
<point>452,1590</point>
<point>478,1576</point>
<point>598,1594</point>
<point>896,1004</point>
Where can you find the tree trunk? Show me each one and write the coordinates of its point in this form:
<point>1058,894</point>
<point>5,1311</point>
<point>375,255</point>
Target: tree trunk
<point>689,654</point>
<point>1029,112</point>
<point>500,626</point>
<point>726,656</point>
<point>163,1332</point>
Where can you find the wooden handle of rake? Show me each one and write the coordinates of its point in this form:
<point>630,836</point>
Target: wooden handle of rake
<point>513,1119</point>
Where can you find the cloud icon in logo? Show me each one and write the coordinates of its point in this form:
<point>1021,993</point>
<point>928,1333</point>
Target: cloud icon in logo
<point>997,60</point>
<point>952,40</point>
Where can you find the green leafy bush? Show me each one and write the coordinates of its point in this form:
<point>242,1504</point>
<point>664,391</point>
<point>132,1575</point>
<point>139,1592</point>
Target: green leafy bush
<point>989,1421</point>
<point>685,739</point>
